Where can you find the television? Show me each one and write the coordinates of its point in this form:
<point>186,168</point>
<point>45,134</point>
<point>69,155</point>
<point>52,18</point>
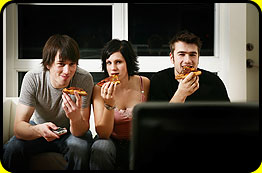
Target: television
<point>196,136</point>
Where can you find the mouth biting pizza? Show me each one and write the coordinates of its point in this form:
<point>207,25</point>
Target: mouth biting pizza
<point>71,90</point>
<point>113,78</point>
<point>186,70</point>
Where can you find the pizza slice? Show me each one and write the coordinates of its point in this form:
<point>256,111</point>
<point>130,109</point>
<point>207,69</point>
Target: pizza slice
<point>71,90</point>
<point>113,78</point>
<point>186,70</point>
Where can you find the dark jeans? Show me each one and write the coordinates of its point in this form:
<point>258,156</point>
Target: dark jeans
<point>76,151</point>
<point>109,154</point>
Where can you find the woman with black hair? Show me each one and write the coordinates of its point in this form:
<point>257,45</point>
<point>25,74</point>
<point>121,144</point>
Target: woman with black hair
<point>113,104</point>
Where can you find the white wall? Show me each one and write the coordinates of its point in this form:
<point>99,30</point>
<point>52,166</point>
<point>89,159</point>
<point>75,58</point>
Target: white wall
<point>233,49</point>
<point>11,51</point>
<point>253,37</point>
<point>4,54</point>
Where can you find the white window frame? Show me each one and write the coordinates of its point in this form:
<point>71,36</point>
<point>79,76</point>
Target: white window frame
<point>218,63</point>
<point>14,65</point>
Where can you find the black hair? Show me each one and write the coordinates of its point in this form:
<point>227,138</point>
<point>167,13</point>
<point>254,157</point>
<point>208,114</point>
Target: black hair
<point>127,51</point>
<point>185,36</point>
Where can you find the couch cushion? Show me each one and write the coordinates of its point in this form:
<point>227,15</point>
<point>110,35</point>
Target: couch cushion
<point>92,123</point>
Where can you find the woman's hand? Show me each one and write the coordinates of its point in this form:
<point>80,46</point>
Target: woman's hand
<point>107,93</point>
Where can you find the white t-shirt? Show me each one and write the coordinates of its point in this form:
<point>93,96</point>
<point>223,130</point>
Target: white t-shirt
<point>37,91</point>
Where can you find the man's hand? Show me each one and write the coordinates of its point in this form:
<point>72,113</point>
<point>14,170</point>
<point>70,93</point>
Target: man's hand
<point>186,87</point>
<point>45,130</point>
<point>71,108</point>
<point>78,116</point>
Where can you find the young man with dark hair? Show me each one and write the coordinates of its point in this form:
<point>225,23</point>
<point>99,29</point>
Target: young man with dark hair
<point>185,50</point>
<point>43,108</point>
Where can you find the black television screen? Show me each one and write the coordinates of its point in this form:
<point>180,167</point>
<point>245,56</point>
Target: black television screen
<point>207,137</point>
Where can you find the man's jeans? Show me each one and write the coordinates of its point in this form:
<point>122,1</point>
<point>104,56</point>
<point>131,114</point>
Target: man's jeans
<point>76,151</point>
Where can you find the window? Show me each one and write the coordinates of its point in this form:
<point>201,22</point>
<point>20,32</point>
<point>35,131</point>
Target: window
<point>29,25</point>
<point>90,26</point>
<point>151,26</point>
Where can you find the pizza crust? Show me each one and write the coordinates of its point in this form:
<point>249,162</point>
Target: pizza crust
<point>71,90</point>
<point>113,78</point>
<point>186,70</point>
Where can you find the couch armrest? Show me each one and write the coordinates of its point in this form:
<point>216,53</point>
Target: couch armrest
<point>12,113</point>
<point>9,110</point>
<point>6,119</point>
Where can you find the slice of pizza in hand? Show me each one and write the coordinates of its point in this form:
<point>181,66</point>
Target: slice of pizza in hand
<point>71,90</point>
<point>113,78</point>
<point>186,70</point>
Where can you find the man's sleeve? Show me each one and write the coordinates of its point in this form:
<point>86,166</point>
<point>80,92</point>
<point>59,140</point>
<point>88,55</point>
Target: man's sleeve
<point>28,90</point>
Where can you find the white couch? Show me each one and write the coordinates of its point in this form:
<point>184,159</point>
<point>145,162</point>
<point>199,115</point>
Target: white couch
<point>44,161</point>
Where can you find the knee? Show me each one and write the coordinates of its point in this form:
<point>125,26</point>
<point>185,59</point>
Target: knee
<point>79,145</point>
<point>103,155</point>
<point>14,154</point>
<point>103,148</point>
<point>13,146</point>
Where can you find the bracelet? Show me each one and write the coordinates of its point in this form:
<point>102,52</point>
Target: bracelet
<point>108,107</point>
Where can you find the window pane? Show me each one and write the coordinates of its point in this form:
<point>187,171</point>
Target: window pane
<point>151,26</point>
<point>90,26</point>
<point>20,81</point>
